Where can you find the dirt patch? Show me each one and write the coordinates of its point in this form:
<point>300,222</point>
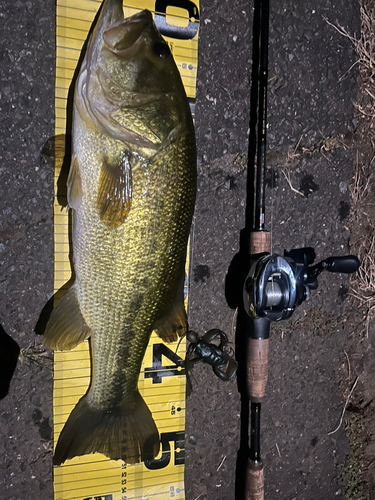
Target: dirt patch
<point>358,471</point>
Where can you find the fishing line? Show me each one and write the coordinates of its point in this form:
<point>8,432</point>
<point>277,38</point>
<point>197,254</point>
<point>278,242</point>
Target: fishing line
<point>272,205</point>
<point>191,259</point>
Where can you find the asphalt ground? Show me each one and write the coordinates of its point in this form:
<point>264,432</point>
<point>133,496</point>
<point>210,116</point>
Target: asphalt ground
<point>311,118</point>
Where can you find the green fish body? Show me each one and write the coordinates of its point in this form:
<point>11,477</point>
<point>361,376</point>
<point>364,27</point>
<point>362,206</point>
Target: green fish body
<point>132,186</point>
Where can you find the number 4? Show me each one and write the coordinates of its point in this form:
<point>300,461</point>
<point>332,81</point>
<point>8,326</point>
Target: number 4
<point>158,371</point>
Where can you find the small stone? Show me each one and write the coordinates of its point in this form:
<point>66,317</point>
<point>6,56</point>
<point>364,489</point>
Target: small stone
<point>192,440</point>
<point>35,399</point>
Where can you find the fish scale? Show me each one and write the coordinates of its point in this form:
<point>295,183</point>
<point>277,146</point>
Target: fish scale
<point>134,275</point>
<point>132,187</point>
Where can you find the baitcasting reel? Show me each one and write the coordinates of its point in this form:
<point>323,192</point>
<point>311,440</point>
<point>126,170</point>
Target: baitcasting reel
<point>275,285</point>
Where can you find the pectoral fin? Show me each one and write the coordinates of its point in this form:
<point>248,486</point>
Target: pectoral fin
<point>115,192</point>
<point>174,323</point>
<point>74,184</point>
<point>66,327</point>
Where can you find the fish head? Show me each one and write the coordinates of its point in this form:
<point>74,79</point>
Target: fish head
<point>137,57</point>
<point>129,85</point>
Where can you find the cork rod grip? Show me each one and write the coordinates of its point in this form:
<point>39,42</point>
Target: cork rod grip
<point>260,242</point>
<point>254,481</point>
<point>257,349</point>
<point>257,368</point>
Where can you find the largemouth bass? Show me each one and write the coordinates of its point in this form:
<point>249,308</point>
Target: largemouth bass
<point>131,185</point>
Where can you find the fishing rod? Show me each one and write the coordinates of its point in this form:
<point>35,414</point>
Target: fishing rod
<point>275,284</point>
<point>257,329</point>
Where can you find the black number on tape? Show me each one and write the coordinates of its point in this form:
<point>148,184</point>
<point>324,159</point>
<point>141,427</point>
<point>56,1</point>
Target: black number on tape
<point>179,32</point>
<point>178,439</point>
<point>158,371</point>
<point>102,497</point>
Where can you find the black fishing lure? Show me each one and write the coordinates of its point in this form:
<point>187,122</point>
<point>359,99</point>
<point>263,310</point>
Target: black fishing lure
<point>203,349</point>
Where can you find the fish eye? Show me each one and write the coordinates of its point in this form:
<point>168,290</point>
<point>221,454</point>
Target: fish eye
<point>161,49</point>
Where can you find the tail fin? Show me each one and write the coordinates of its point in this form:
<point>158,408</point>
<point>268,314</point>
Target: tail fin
<point>127,432</point>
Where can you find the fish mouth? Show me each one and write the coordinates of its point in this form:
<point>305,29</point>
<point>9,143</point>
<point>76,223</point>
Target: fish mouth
<point>97,98</point>
<point>125,35</point>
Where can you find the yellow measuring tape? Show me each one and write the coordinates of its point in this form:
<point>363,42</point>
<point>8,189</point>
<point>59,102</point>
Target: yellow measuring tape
<point>161,380</point>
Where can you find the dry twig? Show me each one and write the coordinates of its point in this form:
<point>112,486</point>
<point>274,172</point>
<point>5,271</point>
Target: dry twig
<point>345,406</point>
<point>360,188</point>
<point>287,178</point>
<point>364,45</point>
<point>38,354</point>
<point>233,322</point>
<point>221,463</point>
<point>293,155</point>
<point>347,358</point>
<point>364,284</point>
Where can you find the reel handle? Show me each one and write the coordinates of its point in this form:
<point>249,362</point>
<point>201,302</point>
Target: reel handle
<point>346,264</point>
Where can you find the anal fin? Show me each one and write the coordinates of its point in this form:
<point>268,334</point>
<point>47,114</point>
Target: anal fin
<point>173,324</point>
<point>66,327</point>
